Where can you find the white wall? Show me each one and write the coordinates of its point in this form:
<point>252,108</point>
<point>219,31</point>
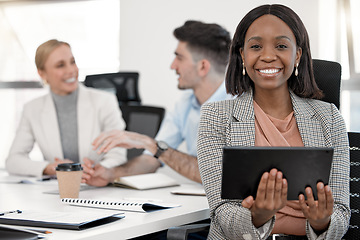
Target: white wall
<point>147,44</point>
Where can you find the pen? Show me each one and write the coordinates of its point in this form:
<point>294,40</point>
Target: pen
<point>39,231</point>
<point>8,212</point>
<point>46,178</point>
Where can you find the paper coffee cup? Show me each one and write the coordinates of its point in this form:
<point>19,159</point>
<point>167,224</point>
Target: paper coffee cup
<point>69,179</point>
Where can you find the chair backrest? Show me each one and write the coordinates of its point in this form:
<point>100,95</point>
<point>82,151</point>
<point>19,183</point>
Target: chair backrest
<point>142,119</point>
<point>328,78</point>
<point>123,84</point>
<point>354,227</point>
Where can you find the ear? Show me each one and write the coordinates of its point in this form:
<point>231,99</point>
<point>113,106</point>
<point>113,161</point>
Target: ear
<point>298,55</point>
<point>242,54</point>
<point>42,74</point>
<point>203,67</point>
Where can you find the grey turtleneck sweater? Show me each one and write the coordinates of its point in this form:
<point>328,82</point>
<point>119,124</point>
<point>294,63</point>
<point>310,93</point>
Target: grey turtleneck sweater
<point>66,110</point>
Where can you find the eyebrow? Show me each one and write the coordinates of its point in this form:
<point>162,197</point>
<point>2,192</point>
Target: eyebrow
<point>279,37</point>
<point>60,61</point>
<point>178,54</point>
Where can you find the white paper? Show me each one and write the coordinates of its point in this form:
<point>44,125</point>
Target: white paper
<point>147,181</point>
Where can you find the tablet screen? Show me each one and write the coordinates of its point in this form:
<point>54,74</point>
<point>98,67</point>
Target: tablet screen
<point>301,166</point>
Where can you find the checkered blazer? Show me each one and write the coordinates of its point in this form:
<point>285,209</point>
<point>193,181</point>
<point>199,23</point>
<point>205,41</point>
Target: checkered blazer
<point>232,123</point>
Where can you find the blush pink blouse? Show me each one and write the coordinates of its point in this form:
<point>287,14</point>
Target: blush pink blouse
<point>270,131</point>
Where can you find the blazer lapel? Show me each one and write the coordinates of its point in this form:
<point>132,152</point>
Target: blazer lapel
<point>309,127</point>
<point>51,128</point>
<point>86,118</point>
<point>242,126</point>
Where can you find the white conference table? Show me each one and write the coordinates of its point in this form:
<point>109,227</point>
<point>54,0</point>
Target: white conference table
<point>32,197</point>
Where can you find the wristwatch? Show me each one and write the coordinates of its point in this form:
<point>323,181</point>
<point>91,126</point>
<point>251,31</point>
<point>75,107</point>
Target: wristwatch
<point>161,147</point>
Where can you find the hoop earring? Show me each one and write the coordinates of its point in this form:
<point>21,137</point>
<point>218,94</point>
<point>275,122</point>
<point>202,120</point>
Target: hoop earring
<point>296,70</point>
<point>243,71</point>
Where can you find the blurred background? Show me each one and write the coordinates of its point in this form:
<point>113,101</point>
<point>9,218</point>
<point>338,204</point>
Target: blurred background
<point>136,35</point>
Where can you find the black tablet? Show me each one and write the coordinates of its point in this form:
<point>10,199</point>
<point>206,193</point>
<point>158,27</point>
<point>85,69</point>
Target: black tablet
<point>301,166</point>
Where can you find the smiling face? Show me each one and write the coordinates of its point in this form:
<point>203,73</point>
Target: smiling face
<point>270,53</point>
<point>60,71</point>
<point>185,67</point>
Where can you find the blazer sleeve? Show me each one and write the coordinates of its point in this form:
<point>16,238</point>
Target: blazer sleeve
<point>339,178</point>
<point>229,220</point>
<point>111,118</point>
<point>18,161</point>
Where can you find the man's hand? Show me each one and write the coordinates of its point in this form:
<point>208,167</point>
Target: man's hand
<point>50,169</point>
<point>96,175</point>
<point>119,138</point>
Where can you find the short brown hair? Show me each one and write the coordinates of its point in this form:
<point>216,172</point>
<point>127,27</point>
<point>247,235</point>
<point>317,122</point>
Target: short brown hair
<point>210,40</point>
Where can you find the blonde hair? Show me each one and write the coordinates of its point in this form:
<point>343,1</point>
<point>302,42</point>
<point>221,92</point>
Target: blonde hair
<point>44,50</point>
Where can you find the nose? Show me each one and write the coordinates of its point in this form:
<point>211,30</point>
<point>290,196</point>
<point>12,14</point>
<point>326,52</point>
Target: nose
<point>173,64</point>
<point>73,69</point>
<point>268,54</point>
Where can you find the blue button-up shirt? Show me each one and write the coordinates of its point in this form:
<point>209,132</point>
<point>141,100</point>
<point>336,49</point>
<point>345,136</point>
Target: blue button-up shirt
<point>183,122</point>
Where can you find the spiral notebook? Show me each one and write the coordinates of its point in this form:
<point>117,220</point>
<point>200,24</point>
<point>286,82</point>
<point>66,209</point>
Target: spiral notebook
<point>134,206</point>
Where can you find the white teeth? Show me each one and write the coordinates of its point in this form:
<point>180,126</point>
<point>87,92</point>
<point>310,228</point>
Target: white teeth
<point>70,80</point>
<point>269,71</point>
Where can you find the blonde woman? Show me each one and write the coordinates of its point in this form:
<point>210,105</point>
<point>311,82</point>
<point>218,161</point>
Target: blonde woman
<point>65,121</point>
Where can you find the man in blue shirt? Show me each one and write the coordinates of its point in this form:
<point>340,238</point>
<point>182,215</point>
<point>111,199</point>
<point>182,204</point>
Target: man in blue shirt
<point>200,62</point>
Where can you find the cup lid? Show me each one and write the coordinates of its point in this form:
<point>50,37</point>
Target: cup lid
<point>69,167</point>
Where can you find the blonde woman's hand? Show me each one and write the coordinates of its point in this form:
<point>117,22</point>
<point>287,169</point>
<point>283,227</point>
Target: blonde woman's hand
<point>96,175</point>
<point>50,168</point>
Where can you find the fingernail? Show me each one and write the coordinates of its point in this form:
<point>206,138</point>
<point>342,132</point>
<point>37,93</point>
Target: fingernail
<point>308,191</point>
<point>321,186</point>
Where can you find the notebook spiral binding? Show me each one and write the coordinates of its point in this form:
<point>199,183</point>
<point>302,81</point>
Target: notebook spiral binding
<point>85,201</point>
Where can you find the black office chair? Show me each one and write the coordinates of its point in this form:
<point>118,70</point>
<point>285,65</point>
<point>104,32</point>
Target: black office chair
<point>354,227</point>
<point>328,78</point>
<point>123,84</point>
<point>142,119</point>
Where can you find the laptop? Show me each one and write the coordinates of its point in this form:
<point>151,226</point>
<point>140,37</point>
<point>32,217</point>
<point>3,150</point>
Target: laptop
<point>301,166</point>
